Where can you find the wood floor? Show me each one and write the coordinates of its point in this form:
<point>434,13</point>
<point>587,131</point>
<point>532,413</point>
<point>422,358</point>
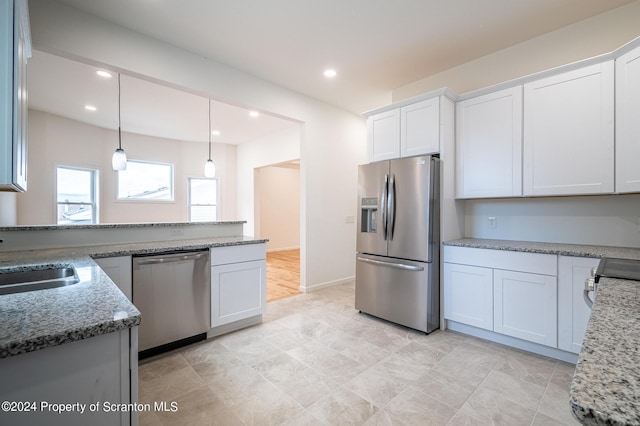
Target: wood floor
<point>283,274</point>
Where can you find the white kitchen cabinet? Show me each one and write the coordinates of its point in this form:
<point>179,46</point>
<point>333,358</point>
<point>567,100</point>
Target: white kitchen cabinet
<point>525,306</point>
<point>420,128</point>
<point>569,133</point>
<point>573,311</point>
<point>15,48</point>
<point>119,270</point>
<point>238,283</point>
<point>627,123</point>
<point>489,145</point>
<point>468,295</point>
<point>99,370</point>
<point>383,135</point>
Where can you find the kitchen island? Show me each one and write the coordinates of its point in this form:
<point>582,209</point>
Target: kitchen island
<point>77,344</point>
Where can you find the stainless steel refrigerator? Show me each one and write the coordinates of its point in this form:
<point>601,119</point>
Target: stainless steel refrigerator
<point>398,241</point>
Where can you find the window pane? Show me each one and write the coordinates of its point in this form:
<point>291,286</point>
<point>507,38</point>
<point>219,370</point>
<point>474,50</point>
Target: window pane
<point>203,213</point>
<point>146,181</point>
<point>74,185</point>
<point>203,191</point>
<point>76,214</point>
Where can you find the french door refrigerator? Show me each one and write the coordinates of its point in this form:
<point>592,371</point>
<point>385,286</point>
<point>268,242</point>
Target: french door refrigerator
<point>398,241</point>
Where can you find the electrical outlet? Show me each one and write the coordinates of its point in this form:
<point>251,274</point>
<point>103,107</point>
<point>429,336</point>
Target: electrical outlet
<point>493,224</point>
<point>350,219</point>
<point>177,232</point>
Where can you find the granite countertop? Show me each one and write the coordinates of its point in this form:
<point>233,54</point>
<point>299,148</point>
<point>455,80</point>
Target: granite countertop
<point>35,320</point>
<point>576,250</point>
<point>116,225</point>
<point>606,384</point>
<point>605,389</point>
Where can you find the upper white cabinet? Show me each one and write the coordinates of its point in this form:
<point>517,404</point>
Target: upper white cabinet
<point>383,135</point>
<point>411,128</point>
<point>627,122</point>
<point>573,311</point>
<point>15,48</point>
<point>489,145</point>
<point>569,133</point>
<point>420,128</point>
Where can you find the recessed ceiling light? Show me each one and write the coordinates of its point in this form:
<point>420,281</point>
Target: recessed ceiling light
<point>103,74</point>
<point>254,113</point>
<point>90,108</point>
<point>330,73</point>
<point>215,132</point>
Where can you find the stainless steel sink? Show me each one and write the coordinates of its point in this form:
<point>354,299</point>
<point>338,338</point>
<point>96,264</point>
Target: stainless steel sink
<point>37,278</point>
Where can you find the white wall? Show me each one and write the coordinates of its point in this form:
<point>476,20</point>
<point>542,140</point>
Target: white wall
<point>585,39</point>
<point>8,209</point>
<point>333,141</point>
<point>55,140</point>
<point>278,206</point>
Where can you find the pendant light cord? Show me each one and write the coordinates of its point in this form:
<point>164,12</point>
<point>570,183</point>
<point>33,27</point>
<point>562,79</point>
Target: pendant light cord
<point>119,120</point>
<point>209,129</point>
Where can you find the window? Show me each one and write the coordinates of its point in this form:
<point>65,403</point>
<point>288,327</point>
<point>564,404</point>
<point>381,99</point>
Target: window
<point>203,200</point>
<point>76,195</point>
<point>146,181</point>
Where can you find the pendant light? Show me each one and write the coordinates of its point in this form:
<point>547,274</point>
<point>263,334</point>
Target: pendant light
<point>209,167</point>
<point>119,159</point>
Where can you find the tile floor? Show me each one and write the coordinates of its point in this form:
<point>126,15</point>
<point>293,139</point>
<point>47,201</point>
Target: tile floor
<point>316,361</point>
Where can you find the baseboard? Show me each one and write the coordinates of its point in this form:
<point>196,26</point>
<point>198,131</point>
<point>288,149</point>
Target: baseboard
<point>513,342</point>
<point>316,287</point>
<point>283,249</point>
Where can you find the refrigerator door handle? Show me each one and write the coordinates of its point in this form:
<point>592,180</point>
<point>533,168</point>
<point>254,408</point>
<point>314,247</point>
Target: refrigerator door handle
<point>392,264</point>
<point>383,204</point>
<point>392,206</point>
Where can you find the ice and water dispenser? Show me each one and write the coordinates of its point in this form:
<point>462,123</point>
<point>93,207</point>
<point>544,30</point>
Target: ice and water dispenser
<point>369,213</point>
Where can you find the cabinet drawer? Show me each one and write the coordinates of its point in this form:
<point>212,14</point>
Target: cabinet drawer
<point>236,254</point>
<point>537,263</point>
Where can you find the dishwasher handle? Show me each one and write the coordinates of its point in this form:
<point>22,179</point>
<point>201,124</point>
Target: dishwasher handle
<point>176,257</point>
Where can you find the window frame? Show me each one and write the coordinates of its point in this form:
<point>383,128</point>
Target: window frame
<point>217,200</point>
<point>172,185</point>
<point>94,195</point>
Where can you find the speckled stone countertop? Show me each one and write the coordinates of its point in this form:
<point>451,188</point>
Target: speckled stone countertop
<point>577,250</point>
<point>117,225</point>
<point>605,389</point>
<point>35,320</point>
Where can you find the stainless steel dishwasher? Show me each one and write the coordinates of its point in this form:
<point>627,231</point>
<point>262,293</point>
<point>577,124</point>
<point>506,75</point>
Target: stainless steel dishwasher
<point>172,291</point>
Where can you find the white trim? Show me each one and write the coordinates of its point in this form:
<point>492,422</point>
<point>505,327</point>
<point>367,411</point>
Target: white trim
<point>513,342</point>
<point>316,287</point>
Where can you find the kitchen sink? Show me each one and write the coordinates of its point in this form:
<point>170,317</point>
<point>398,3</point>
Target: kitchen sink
<point>37,278</point>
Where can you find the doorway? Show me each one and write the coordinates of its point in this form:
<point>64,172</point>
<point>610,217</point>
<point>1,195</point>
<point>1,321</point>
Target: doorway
<point>277,217</point>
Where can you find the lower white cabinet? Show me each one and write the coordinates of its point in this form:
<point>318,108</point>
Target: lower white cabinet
<point>525,306</point>
<point>99,374</point>
<point>468,295</point>
<point>119,270</point>
<point>573,311</point>
<point>238,283</point>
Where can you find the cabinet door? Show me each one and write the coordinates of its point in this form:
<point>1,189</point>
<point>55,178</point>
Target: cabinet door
<point>573,311</point>
<point>420,128</point>
<point>383,135</point>
<point>468,295</point>
<point>238,291</point>
<point>489,145</point>
<point>627,123</point>
<point>119,270</point>
<point>525,306</point>
<point>569,131</point>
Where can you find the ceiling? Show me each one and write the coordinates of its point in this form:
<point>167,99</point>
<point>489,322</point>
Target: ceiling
<point>375,45</point>
<point>146,108</point>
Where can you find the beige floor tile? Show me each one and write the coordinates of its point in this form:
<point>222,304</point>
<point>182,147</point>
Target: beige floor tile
<point>170,386</point>
<point>343,407</point>
<point>451,390</point>
<point>519,391</point>
<point>463,419</point>
<point>555,404</point>
<point>542,420</point>
<point>334,365</point>
<point>496,408</point>
<point>376,386</point>
<point>413,407</point>
<point>303,418</point>
<point>384,418</point>
<point>158,367</point>
<point>527,366</point>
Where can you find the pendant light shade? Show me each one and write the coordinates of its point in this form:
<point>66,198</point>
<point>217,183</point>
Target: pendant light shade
<point>119,159</point>
<point>209,167</point>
